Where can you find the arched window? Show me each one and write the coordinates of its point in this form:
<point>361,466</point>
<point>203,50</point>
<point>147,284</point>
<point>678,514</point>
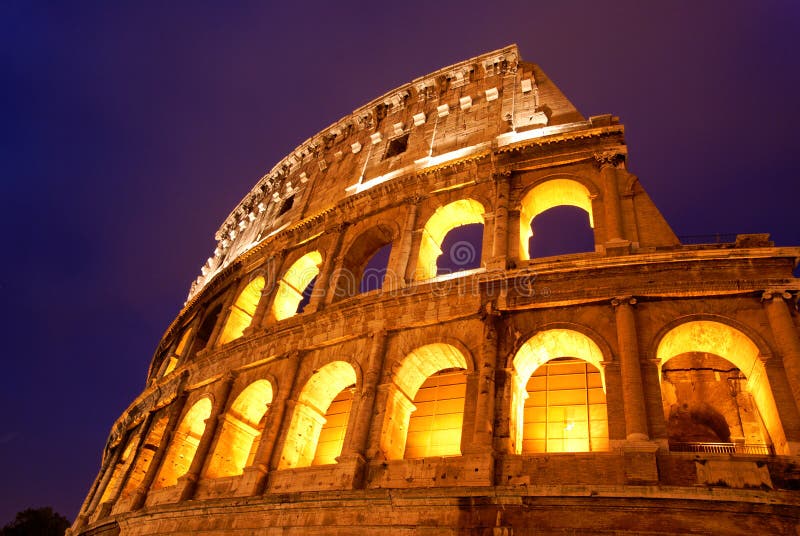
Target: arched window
<point>120,467</point>
<point>207,328</point>
<point>293,283</point>
<point>242,311</point>
<point>443,220</point>
<point>425,408</point>
<point>558,394</point>
<point>545,196</point>
<point>145,457</point>
<point>714,388</point>
<point>559,231</point>
<point>184,444</point>
<point>316,433</point>
<point>566,408</point>
<point>359,263</point>
<point>240,431</point>
<point>461,249</point>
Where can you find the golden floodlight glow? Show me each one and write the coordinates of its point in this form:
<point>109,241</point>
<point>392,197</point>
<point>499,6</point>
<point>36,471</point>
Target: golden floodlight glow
<point>242,426</point>
<point>732,345</point>
<point>543,347</point>
<point>309,416</point>
<point>434,437</point>
<point>184,444</point>
<point>293,283</point>
<point>565,410</point>
<point>434,428</point>
<point>550,194</point>
<point>142,462</point>
<point>444,220</point>
<point>242,311</point>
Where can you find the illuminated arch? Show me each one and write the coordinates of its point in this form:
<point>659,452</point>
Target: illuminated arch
<point>444,220</point>
<point>734,346</point>
<point>542,348</point>
<point>240,430</point>
<point>242,311</point>
<point>319,422</point>
<point>120,468</point>
<point>358,255</point>
<point>417,384</point>
<point>181,450</point>
<point>293,283</point>
<point>549,194</point>
<point>145,456</point>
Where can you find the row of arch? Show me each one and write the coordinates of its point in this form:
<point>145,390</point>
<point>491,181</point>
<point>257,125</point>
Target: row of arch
<point>365,264</point>
<point>557,404</point>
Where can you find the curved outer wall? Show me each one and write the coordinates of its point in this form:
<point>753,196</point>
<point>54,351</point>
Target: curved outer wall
<point>259,419</point>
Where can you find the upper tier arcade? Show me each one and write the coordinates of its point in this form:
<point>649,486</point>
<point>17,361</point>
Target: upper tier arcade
<point>473,111</point>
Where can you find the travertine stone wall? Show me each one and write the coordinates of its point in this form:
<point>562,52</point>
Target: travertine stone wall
<point>490,140</point>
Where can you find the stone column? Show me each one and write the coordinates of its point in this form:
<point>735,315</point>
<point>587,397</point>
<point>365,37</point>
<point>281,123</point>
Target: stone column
<point>630,367</point>
<point>500,235</point>
<point>145,429</point>
<point>254,480</point>
<point>483,435</point>
<point>139,496</point>
<point>321,294</point>
<point>503,399</point>
<point>191,477</point>
<point>513,255</point>
<point>360,435</point>
<point>611,200</point>
<point>399,259</point>
<point>786,337</point>
<point>103,480</point>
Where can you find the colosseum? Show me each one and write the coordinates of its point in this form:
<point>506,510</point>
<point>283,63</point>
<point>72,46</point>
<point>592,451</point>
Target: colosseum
<point>376,345</point>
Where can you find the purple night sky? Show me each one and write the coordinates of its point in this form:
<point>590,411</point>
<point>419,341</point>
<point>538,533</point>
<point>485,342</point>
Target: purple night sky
<point>131,129</point>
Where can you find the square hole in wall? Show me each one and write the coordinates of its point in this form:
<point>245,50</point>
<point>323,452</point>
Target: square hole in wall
<point>396,146</point>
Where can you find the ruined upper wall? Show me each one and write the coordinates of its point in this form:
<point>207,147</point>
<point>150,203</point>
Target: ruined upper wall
<point>441,116</point>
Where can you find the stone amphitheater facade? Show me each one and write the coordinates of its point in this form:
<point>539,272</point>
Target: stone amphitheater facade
<point>646,386</point>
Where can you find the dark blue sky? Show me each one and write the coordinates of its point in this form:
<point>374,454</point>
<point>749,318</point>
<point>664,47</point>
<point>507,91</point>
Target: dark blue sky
<point>130,130</point>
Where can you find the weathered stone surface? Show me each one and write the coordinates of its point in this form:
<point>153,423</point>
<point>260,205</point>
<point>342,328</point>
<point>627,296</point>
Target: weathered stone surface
<point>642,387</point>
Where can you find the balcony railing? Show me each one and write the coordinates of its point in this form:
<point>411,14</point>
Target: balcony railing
<point>722,448</point>
<point>716,238</point>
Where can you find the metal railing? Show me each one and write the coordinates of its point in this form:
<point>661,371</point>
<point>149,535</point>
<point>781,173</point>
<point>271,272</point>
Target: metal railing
<point>717,238</point>
<point>722,448</point>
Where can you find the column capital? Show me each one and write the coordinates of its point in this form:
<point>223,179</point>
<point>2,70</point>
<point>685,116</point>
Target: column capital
<point>770,294</point>
<point>624,300</point>
<point>610,158</point>
<point>501,175</point>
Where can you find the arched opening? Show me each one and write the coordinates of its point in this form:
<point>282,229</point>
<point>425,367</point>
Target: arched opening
<point>145,457</point>
<point>715,391</point>
<point>319,422</point>
<point>120,467</point>
<point>180,452</point>
<point>565,409</point>
<point>293,283</point>
<point>461,249</point>
<point>558,394</point>
<point>443,220</point>
<point>425,407</point>
<point>240,431</point>
<point>207,327</point>
<point>553,193</point>
<point>364,264</point>
<point>242,311</point>
<point>375,271</point>
<point>172,361</point>
<point>560,231</point>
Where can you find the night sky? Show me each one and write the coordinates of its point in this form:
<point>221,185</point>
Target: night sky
<point>129,132</point>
